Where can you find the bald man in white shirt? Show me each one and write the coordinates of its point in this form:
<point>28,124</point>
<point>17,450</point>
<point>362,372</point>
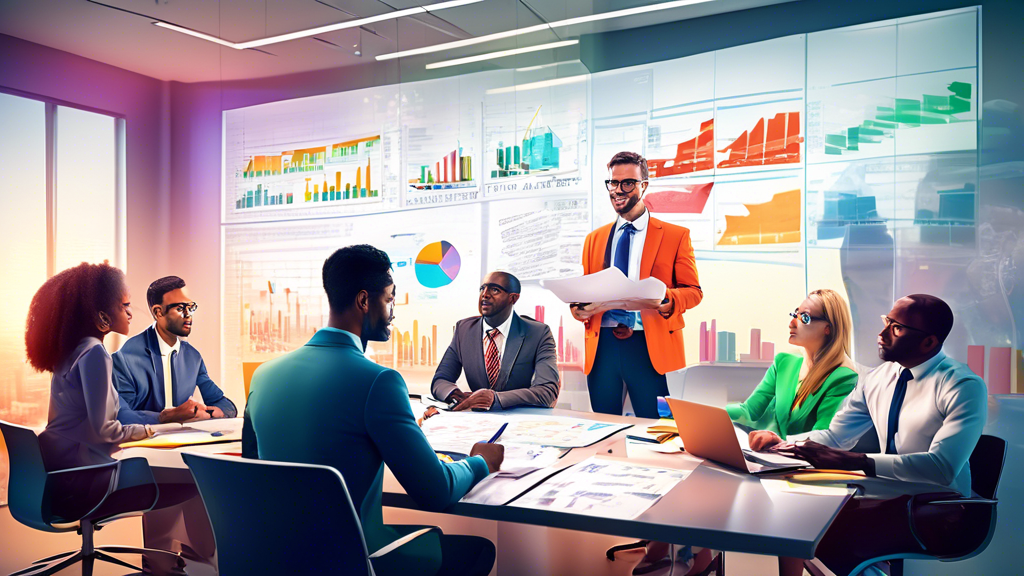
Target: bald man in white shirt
<point>928,410</point>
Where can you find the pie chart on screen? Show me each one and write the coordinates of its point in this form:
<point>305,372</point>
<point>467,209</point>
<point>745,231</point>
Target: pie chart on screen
<point>437,264</point>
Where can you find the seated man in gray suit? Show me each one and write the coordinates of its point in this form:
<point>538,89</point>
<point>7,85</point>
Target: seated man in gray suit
<point>509,360</point>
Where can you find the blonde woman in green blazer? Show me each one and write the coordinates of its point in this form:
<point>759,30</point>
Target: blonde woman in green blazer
<point>801,393</point>
<point>798,394</point>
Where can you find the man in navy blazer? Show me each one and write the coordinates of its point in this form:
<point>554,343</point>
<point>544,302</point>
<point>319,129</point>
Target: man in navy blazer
<point>509,360</point>
<point>157,364</point>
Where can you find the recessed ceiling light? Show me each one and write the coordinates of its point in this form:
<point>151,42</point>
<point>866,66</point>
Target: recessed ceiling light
<point>540,27</point>
<point>318,30</point>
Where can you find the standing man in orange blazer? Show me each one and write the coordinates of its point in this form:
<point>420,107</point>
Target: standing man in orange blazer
<point>637,348</point>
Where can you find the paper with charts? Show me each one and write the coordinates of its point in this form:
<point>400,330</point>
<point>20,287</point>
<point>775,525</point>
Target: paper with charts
<point>603,487</point>
<point>457,432</point>
<point>607,286</point>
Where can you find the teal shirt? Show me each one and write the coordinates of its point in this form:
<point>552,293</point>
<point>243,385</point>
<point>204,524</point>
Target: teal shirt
<point>770,407</point>
<point>327,404</point>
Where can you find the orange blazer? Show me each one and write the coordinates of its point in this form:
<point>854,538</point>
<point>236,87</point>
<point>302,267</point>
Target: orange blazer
<point>668,256</point>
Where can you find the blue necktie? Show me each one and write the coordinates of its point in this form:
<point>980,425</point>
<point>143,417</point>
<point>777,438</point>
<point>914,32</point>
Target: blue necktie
<point>894,410</point>
<point>622,263</point>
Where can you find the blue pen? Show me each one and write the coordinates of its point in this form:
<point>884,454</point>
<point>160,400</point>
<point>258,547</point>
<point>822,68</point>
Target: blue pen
<point>498,433</point>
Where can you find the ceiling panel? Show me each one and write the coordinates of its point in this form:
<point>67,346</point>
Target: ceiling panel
<point>123,34</point>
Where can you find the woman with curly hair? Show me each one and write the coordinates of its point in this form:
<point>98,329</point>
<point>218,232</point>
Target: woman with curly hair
<point>67,321</point>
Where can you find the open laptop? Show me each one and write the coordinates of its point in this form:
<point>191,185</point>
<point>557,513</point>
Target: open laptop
<point>708,432</point>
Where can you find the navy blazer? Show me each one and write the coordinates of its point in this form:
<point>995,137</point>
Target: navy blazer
<point>139,378</point>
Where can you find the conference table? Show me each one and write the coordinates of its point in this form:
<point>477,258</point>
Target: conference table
<point>715,506</point>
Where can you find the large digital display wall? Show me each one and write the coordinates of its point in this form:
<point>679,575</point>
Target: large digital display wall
<point>842,159</point>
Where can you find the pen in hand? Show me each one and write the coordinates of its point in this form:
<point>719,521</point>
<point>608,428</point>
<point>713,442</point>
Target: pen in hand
<point>498,433</point>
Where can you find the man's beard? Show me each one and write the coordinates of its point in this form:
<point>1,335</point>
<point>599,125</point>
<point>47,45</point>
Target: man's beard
<point>378,332</point>
<point>632,202</point>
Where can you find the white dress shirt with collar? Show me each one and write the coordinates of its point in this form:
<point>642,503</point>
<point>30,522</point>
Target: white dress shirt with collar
<point>499,340</point>
<point>636,252</point>
<point>942,417</point>
<point>165,357</point>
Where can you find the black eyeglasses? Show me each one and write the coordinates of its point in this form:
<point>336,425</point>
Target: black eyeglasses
<point>806,318</point>
<point>897,328</point>
<point>493,289</point>
<point>627,185</point>
<point>182,308</point>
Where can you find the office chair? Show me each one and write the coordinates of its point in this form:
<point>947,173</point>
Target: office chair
<point>986,467</point>
<point>111,491</point>
<point>283,518</point>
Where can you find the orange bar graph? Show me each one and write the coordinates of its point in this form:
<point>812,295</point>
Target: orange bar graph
<point>692,155</point>
<point>779,143</point>
<point>774,222</point>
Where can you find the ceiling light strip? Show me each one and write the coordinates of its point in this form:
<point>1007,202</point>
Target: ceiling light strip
<point>540,27</point>
<point>501,54</point>
<point>318,30</point>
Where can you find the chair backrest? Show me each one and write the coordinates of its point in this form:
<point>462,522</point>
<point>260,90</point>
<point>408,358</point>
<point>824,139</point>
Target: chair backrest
<point>987,465</point>
<point>279,518</point>
<point>27,485</point>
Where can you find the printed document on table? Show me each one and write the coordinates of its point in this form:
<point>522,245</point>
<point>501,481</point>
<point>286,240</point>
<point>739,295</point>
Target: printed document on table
<point>521,459</point>
<point>603,487</point>
<point>608,285</point>
<point>558,431</point>
<point>497,490</point>
<point>458,431</point>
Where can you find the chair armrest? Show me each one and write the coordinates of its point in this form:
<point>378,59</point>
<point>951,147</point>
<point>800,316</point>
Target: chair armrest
<point>403,541</point>
<point>112,465</point>
<point>95,477</point>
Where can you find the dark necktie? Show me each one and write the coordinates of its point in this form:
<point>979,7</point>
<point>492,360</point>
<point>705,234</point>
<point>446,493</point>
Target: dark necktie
<point>894,410</point>
<point>171,402</point>
<point>622,263</point>
<point>491,359</point>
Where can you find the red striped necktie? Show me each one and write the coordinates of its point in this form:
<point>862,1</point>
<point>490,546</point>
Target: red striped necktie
<point>491,359</point>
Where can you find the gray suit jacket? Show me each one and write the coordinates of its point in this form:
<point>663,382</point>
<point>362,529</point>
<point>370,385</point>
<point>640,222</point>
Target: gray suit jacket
<point>529,373</point>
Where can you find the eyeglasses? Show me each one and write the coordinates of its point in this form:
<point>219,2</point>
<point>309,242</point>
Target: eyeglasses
<point>806,318</point>
<point>897,328</point>
<point>493,290</point>
<point>182,308</point>
<point>623,185</point>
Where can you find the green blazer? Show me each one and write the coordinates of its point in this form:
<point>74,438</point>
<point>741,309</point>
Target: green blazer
<point>770,406</point>
<point>326,403</point>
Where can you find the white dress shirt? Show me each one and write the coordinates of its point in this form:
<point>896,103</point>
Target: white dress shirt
<point>499,339</point>
<point>941,419</point>
<point>636,252</point>
<point>165,357</point>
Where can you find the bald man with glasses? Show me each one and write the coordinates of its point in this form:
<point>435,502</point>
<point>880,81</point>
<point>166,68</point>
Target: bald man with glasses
<point>509,360</point>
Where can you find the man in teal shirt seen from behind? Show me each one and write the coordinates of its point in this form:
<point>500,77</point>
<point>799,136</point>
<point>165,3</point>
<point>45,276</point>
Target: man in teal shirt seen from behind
<point>326,403</point>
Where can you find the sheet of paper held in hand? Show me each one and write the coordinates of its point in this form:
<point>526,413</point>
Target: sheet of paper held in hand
<point>175,435</point>
<point>608,289</point>
<point>603,487</point>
